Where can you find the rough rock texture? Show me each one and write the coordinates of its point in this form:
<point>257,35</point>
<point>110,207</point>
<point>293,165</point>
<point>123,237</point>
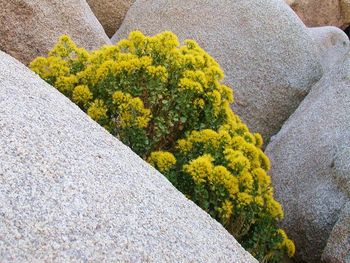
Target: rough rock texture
<point>29,28</point>
<point>338,245</point>
<point>71,192</point>
<point>270,63</point>
<point>110,13</point>
<point>322,12</point>
<point>310,160</point>
<point>333,44</point>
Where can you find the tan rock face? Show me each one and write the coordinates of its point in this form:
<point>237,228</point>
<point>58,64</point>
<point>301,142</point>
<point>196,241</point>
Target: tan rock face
<point>110,13</point>
<point>322,12</point>
<point>29,28</point>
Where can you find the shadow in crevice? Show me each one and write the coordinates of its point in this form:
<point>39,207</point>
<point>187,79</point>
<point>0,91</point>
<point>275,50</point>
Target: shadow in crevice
<point>347,31</point>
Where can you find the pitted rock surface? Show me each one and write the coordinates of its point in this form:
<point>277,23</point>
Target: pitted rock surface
<point>311,163</point>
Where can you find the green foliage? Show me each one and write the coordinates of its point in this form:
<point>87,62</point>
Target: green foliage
<point>166,101</point>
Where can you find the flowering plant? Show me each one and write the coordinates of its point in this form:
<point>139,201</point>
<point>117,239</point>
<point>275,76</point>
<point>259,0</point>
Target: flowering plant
<point>167,102</point>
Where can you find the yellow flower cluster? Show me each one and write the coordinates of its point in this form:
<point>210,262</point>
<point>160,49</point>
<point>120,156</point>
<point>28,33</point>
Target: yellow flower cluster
<point>51,67</point>
<point>287,243</point>
<point>158,72</point>
<point>200,169</point>
<point>163,161</point>
<point>273,206</point>
<point>156,94</point>
<point>209,138</point>
<point>236,161</point>
<point>97,110</point>
<point>81,94</point>
<point>67,50</point>
<point>188,84</point>
<point>244,170</point>
<point>222,176</point>
<point>66,84</point>
<point>131,111</point>
<point>225,211</point>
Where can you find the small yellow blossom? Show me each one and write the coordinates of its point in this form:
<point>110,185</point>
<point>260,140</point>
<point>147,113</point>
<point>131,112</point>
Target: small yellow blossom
<point>199,103</point>
<point>81,94</point>
<point>237,162</point>
<point>226,210</point>
<point>274,207</point>
<point>97,110</point>
<point>221,176</point>
<point>244,199</point>
<point>200,168</point>
<point>184,145</point>
<point>158,72</point>
<point>163,161</point>
<point>189,84</point>
<point>66,84</point>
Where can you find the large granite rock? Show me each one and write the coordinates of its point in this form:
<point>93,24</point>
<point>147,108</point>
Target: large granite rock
<point>322,12</point>
<point>71,192</point>
<point>30,28</point>
<point>310,160</point>
<point>332,45</point>
<point>265,50</point>
<point>338,245</point>
<point>110,13</point>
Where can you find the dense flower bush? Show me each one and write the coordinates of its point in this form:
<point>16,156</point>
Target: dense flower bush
<point>166,101</point>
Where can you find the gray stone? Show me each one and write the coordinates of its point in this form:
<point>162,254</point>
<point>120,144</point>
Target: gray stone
<point>30,28</point>
<point>71,192</point>
<point>265,50</point>
<point>333,44</point>
<point>338,245</point>
<point>110,13</point>
<point>311,163</point>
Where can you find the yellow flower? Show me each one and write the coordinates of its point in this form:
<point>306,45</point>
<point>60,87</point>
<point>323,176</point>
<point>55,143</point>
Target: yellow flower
<point>159,72</point>
<point>97,110</point>
<point>196,75</point>
<point>259,201</point>
<point>199,169</point>
<point>274,207</point>
<point>227,93</point>
<point>221,176</point>
<point>189,84</point>
<point>184,145</point>
<point>264,161</point>
<point>258,140</point>
<point>215,98</point>
<point>237,162</point>
<point>246,180</point>
<point>199,103</point>
<point>244,199</point>
<point>66,84</point>
<point>51,67</point>
<point>131,111</point>
<point>225,211</point>
<point>289,244</point>
<point>163,161</point>
<point>81,94</point>
<point>263,179</point>
<point>120,97</point>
